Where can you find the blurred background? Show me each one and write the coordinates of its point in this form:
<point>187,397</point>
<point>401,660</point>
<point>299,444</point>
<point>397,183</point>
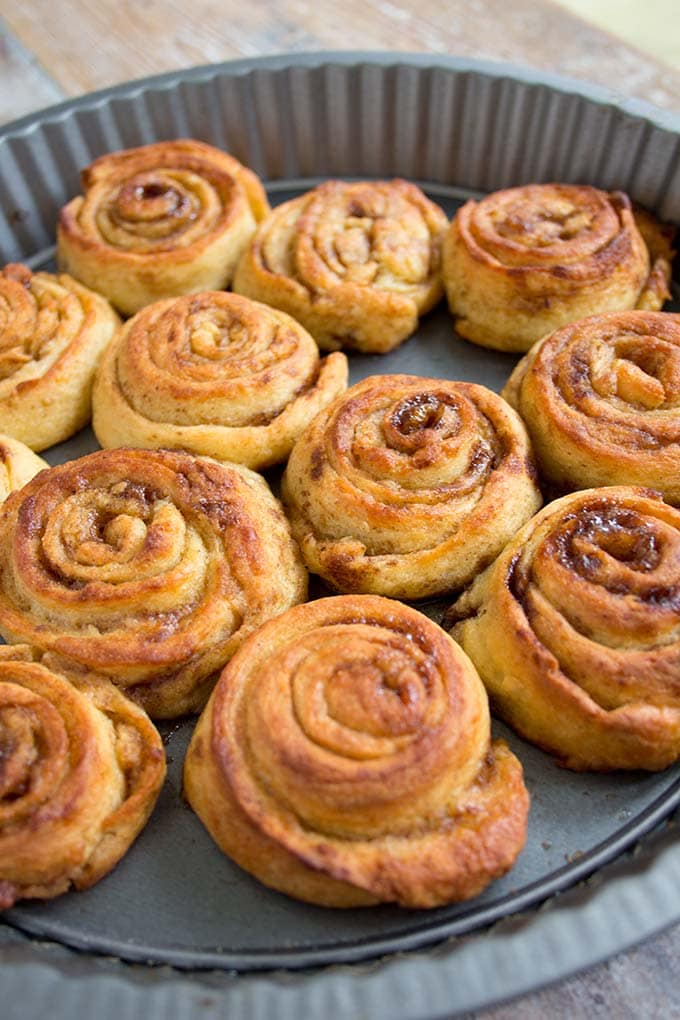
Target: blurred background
<point>54,49</point>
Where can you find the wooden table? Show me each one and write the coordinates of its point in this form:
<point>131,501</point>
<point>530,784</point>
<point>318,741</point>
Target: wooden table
<point>52,49</point>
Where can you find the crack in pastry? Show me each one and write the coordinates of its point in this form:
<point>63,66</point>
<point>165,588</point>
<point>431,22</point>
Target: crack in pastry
<point>149,567</point>
<point>522,262</point>
<point>215,374</point>
<point>408,486</point>
<point>355,263</point>
<point>345,759</point>
<point>52,332</point>
<point>81,767</point>
<point>159,220</point>
<point>575,630</point>
<point>601,401</point>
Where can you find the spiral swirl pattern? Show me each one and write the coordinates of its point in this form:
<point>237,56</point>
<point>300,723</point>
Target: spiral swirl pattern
<point>408,487</point>
<point>52,332</point>
<point>160,220</point>
<point>356,264</point>
<point>80,769</point>
<point>150,567</point>
<point>527,260</point>
<point>601,401</point>
<point>575,629</point>
<point>345,759</point>
<point>215,374</point>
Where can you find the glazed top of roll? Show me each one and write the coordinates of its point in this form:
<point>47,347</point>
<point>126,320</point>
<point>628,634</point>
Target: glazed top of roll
<point>148,566</point>
<point>161,198</point>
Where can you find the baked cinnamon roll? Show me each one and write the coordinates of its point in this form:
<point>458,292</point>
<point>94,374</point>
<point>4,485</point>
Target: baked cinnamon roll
<point>160,220</point>
<point>601,401</point>
<point>356,264</point>
<point>215,374</point>
<point>345,759</point>
<point>575,630</point>
<point>52,332</point>
<point>81,767</point>
<point>523,262</point>
<point>18,465</point>
<point>408,487</point>
<point>147,567</point>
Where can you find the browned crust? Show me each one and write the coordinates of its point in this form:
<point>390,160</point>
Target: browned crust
<point>431,818</point>
<point>80,772</point>
<point>574,630</point>
<point>148,566</point>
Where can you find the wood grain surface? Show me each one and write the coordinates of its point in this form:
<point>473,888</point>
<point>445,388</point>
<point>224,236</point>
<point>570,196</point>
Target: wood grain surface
<point>54,49</point>
<point>75,46</point>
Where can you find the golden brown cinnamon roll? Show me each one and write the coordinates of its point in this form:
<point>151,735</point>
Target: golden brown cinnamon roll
<point>149,567</point>
<point>601,401</point>
<point>18,465</point>
<point>164,219</point>
<point>81,767</point>
<point>345,759</point>
<point>575,630</point>
<point>356,264</point>
<point>408,486</point>
<point>215,374</point>
<point>523,262</point>
<point>52,332</point>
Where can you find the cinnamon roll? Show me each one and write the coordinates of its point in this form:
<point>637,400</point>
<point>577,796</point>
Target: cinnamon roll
<point>215,374</point>
<point>160,220</point>
<point>356,264</point>
<point>523,262</point>
<point>345,759</point>
<point>408,487</point>
<point>52,332</point>
<point>18,464</point>
<point>81,767</point>
<point>575,630</point>
<point>147,567</point>
<point>601,401</point>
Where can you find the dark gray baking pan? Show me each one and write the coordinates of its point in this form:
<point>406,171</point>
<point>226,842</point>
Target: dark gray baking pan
<point>177,926</point>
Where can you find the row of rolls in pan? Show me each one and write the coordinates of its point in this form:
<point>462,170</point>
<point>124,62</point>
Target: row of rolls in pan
<point>344,755</point>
